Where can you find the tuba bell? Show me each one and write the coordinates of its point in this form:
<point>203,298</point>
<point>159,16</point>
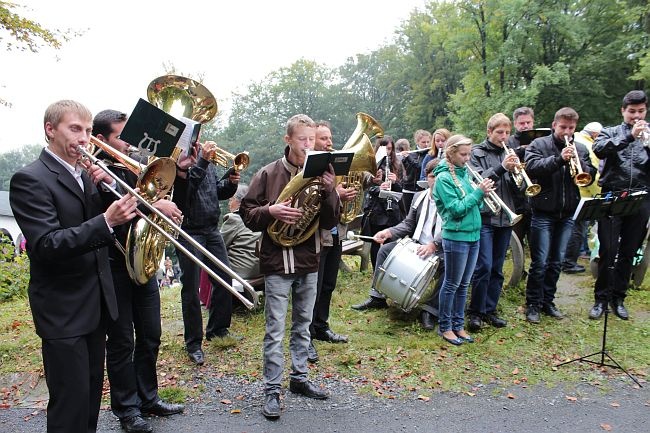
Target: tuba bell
<point>178,96</point>
<point>363,160</point>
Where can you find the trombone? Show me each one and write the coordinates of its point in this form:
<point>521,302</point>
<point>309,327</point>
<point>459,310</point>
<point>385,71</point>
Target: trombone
<point>580,178</point>
<point>492,199</point>
<point>520,176</point>
<point>168,222</point>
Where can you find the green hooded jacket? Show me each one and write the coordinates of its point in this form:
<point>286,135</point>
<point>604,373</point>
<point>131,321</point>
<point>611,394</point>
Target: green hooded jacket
<point>460,209</point>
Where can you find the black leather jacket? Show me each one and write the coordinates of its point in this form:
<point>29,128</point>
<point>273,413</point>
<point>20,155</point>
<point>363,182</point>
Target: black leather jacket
<point>559,196</point>
<point>626,160</point>
<point>486,159</point>
<point>412,164</point>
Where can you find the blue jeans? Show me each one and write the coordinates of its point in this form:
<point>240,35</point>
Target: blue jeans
<point>460,260</point>
<point>487,280</point>
<point>548,239</point>
<point>303,296</point>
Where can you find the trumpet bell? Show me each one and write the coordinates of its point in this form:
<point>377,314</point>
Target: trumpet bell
<point>582,179</point>
<point>182,96</point>
<point>533,190</point>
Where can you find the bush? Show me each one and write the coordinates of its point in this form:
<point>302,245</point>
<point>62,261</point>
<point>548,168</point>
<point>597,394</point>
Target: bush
<point>14,276</point>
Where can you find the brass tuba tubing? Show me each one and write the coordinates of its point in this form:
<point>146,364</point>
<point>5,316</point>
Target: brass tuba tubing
<point>248,304</point>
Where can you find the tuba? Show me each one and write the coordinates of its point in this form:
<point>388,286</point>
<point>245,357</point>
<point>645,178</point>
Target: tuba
<point>364,160</point>
<point>305,194</point>
<point>179,96</point>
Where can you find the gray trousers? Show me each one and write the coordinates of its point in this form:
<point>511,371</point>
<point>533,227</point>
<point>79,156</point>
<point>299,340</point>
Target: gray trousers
<point>276,293</point>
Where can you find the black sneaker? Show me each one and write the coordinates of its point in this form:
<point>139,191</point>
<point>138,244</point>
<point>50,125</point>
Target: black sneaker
<point>552,311</point>
<point>371,303</point>
<point>495,320</point>
<point>307,389</point>
<point>532,314</point>
<point>135,424</point>
<point>474,323</point>
<point>271,409</point>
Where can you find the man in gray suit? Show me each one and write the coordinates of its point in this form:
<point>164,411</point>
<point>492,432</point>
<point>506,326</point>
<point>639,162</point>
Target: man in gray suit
<point>70,289</point>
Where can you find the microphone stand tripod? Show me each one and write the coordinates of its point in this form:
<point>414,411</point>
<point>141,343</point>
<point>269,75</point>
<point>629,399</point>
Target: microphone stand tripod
<point>626,204</point>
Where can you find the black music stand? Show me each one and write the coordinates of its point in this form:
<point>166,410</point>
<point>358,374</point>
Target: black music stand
<point>610,205</point>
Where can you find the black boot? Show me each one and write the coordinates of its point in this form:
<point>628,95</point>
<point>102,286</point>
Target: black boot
<point>427,320</point>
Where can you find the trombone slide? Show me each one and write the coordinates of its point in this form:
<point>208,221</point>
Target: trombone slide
<point>248,304</point>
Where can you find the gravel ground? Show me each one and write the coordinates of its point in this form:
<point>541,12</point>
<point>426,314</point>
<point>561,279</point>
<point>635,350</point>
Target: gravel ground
<point>616,404</point>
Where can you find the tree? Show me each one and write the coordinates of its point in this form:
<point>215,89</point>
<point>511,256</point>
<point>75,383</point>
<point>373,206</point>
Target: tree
<point>14,160</point>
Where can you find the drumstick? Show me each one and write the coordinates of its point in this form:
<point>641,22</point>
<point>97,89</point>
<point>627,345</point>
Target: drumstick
<point>353,236</point>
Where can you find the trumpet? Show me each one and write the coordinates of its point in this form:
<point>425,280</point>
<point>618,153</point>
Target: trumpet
<point>580,178</point>
<point>169,224</point>
<point>520,176</point>
<point>492,200</point>
<point>227,160</point>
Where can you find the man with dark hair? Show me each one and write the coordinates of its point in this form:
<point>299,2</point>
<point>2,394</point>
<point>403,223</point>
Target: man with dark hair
<point>548,161</point>
<point>71,293</point>
<point>626,168</point>
<point>198,189</point>
<point>131,363</point>
<point>523,119</point>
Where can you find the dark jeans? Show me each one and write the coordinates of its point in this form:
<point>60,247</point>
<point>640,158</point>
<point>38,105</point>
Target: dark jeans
<point>460,261</point>
<point>327,274</point>
<point>576,241</point>
<point>548,240</point>
<point>620,238</point>
<point>131,364</point>
<point>487,280</point>
<point>220,299</point>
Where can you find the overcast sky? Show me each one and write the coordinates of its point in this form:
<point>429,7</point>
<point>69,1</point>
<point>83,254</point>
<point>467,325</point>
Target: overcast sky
<point>126,44</point>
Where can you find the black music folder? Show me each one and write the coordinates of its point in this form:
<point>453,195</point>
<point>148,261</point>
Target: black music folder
<point>152,130</point>
<point>318,161</point>
<point>527,137</point>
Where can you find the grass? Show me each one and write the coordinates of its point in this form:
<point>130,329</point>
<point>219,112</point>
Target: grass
<point>389,354</point>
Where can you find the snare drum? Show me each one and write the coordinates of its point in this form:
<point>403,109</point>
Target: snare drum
<point>404,277</point>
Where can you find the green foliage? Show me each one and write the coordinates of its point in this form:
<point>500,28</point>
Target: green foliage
<point>14,274</point>
<point>25,34</point>
<point>14,160</point>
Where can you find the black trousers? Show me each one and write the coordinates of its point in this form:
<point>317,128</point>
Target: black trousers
<point>131,363</point>
<point>74,373</point>
<point>619,238</point>
<point>328,272</point>
<point>220,300</point>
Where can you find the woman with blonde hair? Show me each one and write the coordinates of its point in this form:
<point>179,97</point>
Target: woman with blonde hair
<point>459,204</point>
<point>440,137</point>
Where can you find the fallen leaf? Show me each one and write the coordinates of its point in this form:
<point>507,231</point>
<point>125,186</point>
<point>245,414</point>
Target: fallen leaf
<point>226,401</point>
<point>511,396</point>
<point>606,427</point>
<point>424,398</point>
<point>235,411</point>
<point>570,398</point>
<point>515,371</point>
<point>471,394</point>
<point>615,405</point>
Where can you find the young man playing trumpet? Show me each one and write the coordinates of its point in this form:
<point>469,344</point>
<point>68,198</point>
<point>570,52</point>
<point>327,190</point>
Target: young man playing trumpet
<point>549,160</point>
<point>626,168</point>
<point>492,159</point>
